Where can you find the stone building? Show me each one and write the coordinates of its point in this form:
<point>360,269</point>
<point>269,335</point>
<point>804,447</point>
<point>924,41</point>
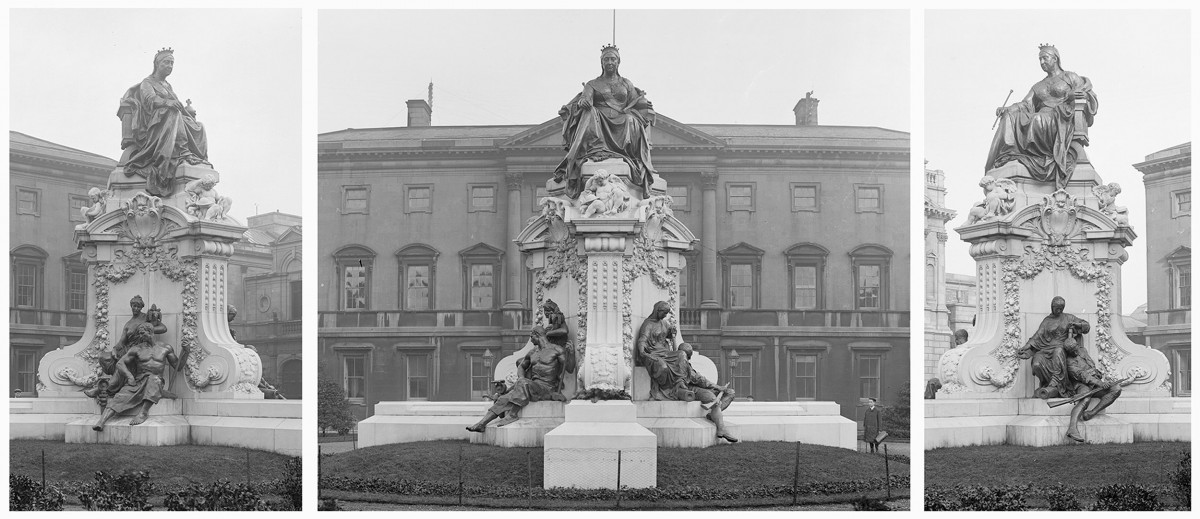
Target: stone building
<point>961,300</point>
<point>797,287</point>
<point>1167,175</point>
<point>49,183</point>
<point>938,333</point>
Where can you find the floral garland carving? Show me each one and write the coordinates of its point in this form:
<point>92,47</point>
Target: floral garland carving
<point>148,259</point>
<point>1050,257</point>
<point>564,260</point>
<point>645,260</point>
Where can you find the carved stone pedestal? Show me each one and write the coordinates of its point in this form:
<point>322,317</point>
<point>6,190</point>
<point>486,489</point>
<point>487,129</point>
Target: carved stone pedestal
<point>583,451</point>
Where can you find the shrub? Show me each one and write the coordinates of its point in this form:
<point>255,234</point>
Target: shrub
<point>221,495</point>
<point>940,499</point>
<point>976,498</point>
<point>896,418</point>
<point>1061,497</point>
<point>329,505</point>
<point>1125,496</point>
<point>867,504</point>
<point>333,410</point>
<point>128,491</point>
<point>25,494</point>
<point>292,485</point>
<point>1181,481</point>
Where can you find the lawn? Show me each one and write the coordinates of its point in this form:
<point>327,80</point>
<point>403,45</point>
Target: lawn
<point>722,466</point>
<point>1087,465</point>
<point>170,466</point>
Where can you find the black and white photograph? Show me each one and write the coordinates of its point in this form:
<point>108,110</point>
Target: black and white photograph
<point>598,259</point>
<point>1058,260</point>
<point>154,241</point>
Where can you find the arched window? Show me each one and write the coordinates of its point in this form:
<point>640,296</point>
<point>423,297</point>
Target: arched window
<point>28,276</point>
<point>870,265</point>
<point>354,264</point>
<point>418,276</point>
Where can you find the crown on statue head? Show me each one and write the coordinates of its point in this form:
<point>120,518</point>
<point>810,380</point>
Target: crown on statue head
<point>1046,46</point>
<point>609,47</point>
<point>164,50</point>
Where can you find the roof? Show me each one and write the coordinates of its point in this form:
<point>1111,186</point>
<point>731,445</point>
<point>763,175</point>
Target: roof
<point>25,143</point>
<point>259,237</point>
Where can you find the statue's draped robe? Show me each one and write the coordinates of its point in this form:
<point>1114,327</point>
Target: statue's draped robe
<point>614,127</point>
<point>543,382</point>
<point>1048,358</point>
<point>163,135</point>
<point>668,368</point>
<point>1038,134</point>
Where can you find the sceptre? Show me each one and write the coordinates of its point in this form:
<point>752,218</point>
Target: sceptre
<point>1004,104</point>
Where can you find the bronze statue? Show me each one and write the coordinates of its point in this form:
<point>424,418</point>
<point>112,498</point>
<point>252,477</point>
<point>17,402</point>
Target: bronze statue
<point>960,337</point>
<point>140,379</point>
<point>1045,348</point>
<point>542,372</point>
<point>556,328</point>
<point>655,348</point>
<point>154,317</point>
<point>608,119</point>
<point>161,132</point>
<point>1039,130</point>
<point>1088,385</point>
<point>715,398</point>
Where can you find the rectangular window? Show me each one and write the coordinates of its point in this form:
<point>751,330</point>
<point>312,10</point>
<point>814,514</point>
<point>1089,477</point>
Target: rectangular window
<point>297,299</point>
<point>538,194</point>
<point>418,377</point>
<point>868,287</point>
<point>679,198</point>
<point>27,284</point>
<point>804,371</point>
<point>29,201</point>
<point>1183,372</point>
<point>741,286</point>
<point>355,199</point>
<point>354,376</point>
<point>869,376</point>
<point>482,287</point>
<point>480,378</point>
<point>805,289</point>
<point>684,291</point>
<point>419,199</point>
<point>1183,203</point>
<point>77,289</point>
<point>743,376</point>
<point>355,288</point>
<point>417,296</point>
<point>483,198</point>
<point>1183,282</point>
<point>868,199</point>
<point>740,197</point>
<point>804,197</point>
<point>26,367</point>
<point>75,206</point>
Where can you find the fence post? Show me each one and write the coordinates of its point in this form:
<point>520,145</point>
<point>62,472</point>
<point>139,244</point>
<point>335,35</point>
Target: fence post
<point>247,469</point>
<point>796,474</point>
<point>43,469</point>
<point>887,471</point>
<point>529,473</point>
<point>460,479</point>
<point>618,479</point>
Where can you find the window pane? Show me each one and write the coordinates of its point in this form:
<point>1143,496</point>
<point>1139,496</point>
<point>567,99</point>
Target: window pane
<point>356,199</point>
<point>483,197</point>
<point>868,198</point>
<point>76,289</point>
<point>355,286</point>
<point>355,376</point>
<point>1183,372</point>
<point>868,376</point>
<point>741,290</point>
<point>743,376</point>
<point>683,287</point>
<point>26,284</point>
<point>1184,274</point>
<point>679,196</point>
<point>482,285</point>
<point>740,196</point>
<point>868,286</point>
<point>418,198</point>
<point>805,290</point>
<point>805,370</point>
<point>418,376</point>
<point>417,297</point>
<point>1184,200</point>
<point>804,197</point>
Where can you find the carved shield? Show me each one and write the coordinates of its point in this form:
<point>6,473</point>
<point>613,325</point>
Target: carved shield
<point>143,220</point>
<point>1059,216</point>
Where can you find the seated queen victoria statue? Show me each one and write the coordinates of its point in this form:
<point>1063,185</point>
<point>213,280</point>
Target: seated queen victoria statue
<point>158,131</point>
<point>610,118</point>
<point>1039,130</point>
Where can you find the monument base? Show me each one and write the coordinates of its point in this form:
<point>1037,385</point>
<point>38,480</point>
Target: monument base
<point>154,432</point>
<point>1029,421</point>
<point>595,442</point>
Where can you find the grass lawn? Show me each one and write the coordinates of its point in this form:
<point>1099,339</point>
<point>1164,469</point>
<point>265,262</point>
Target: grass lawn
<point>170,466</point>
<point>333,438</point>
<point>1073,465</point>
<point>738,465</point>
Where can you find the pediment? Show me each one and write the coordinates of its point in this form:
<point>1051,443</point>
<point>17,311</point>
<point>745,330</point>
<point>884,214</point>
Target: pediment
<point>292,235</point>
<point>742,249</point>
<point>481,250</point>
<point>666,132</point>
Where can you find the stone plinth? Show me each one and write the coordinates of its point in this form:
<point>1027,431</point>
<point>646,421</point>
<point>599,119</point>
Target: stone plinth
<point>1045,431</point>
<point>583,452</point>
<point>536,419</point>
<point>154,432</point>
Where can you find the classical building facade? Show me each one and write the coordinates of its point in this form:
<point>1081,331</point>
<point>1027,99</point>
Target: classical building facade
<point>797,286</point>
<point>49,183</point>
<point>938,334</point>
<point>1167,175</point>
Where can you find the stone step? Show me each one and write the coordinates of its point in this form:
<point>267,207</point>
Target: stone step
<point>155,431</point>
<point>1043,431</point>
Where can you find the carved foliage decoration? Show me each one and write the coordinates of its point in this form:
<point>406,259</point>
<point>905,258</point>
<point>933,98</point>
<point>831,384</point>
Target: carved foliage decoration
<point>564,260</point>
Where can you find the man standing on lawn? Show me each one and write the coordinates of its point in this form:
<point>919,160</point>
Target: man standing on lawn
<point>541,378</point>
<point>872,424</point>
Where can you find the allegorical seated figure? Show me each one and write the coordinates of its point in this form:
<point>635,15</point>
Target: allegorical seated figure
<point>608,119</point>
<point>541,378</point>
<point>605,195</point>
<point>1084,377</point>
<point>999,200</point>
<point>714,397</point>
<point>1038,130</point>
<point>162,131</point>
<point>1045,348</point>
<point>204,202</point>
<point>140,383</point>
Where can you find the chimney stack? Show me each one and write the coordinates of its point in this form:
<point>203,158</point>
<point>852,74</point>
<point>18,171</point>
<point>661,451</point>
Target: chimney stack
<point>419,113</point>
<point>806,110</point>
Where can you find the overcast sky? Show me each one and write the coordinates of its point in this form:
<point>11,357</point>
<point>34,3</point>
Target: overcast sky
<point>519,67</point>
<point>1138,62</point>
<point>240,67</point>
